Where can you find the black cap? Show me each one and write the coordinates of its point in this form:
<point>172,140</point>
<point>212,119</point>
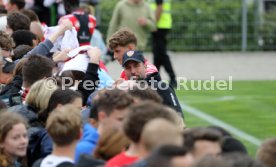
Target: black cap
<point>230,145</point>
<point>9,65</point>
<point>133,55</point>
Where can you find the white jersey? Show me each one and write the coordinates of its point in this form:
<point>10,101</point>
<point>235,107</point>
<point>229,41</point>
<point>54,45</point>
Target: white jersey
<point>53,161</point>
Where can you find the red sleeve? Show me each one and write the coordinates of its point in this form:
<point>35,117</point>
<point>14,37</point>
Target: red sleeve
<point>92,23</point>
<point>123,75</point>
<point>102,66</point>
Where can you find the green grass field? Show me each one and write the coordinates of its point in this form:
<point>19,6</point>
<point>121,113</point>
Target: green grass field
<point>249,107</point>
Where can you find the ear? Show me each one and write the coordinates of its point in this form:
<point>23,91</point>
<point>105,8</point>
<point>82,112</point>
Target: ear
<point>80,134</point>
<point>145,65</point>
<point>59,105</point>
<point>101,116</point>
<point>93,122</point>
<point>131,46</point>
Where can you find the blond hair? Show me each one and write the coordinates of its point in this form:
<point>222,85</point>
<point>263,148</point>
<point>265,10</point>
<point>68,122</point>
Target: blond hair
<point>40,93</point>
<point>160,132</point>
<point>178,118</point>
<point>64,125</point>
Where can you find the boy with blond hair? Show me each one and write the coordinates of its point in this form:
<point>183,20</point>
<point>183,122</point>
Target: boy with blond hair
<point>64,127</point>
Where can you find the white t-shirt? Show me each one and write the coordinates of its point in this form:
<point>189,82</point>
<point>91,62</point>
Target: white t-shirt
<point>53,161</point>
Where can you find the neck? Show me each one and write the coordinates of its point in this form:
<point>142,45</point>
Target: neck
<point>134,2</point>
<point>65,151</point>
<point>76,8</point>
<point>136,150</point>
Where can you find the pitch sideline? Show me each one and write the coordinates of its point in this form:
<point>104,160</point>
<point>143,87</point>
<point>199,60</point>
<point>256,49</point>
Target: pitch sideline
<point>214,121</point>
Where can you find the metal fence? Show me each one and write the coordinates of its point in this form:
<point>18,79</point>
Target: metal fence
<point>217,26</point>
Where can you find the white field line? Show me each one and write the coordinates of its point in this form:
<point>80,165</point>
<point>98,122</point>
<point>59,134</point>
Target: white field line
<point>220,99</point>
<point>215,121</point>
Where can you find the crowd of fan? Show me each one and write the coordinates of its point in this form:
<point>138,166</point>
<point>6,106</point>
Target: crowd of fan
<point>49,122</point>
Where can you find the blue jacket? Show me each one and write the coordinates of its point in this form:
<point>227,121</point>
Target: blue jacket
<point>88,142</point>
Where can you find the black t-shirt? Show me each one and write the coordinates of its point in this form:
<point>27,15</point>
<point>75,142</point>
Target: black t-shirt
<point>158,2</point>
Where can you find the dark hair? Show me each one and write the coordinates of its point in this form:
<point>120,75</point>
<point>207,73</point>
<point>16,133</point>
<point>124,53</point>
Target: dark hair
<point>113,99</point>
<point>30,14</point>
<point>20,51</point>
<point>36,68</point>
<point>221,130</point>
<point>74,74</point>
<point>162,156</point>
<point>240,160</point>
<point>211,161</point>
<point>70,5</point>
<point>18,21</point>
<point>3,10</point>
<point>122,37</point>
<point>19,3</point>
<point>142,113</point>
<point>200,133</point>
<point>145,94</point>
<point>23,37</point>
<point>60,96</point>
<point>231,145</point>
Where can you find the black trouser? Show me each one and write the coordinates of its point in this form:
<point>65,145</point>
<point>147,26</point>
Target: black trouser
<point>159,50</point>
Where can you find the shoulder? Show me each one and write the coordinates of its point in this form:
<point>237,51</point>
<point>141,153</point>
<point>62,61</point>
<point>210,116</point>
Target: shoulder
<point>91,17</point>
<point>151,68</point>
<point>121,4</point>
<point>123,75</point>
<point>25,111</point>
<point>121,160</point>
<point>52,160</point>
<point>116,160</point>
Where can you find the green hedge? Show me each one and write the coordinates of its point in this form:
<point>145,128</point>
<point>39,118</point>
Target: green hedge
<point>201,24</point>
<point>267,32</point>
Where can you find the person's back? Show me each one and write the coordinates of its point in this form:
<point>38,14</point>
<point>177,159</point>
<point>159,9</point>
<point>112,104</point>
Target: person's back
<point>165,91</point>
<point>84,23</point>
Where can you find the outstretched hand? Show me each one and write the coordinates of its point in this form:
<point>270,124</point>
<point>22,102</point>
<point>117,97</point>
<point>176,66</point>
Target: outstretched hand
<point>64,26</point>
